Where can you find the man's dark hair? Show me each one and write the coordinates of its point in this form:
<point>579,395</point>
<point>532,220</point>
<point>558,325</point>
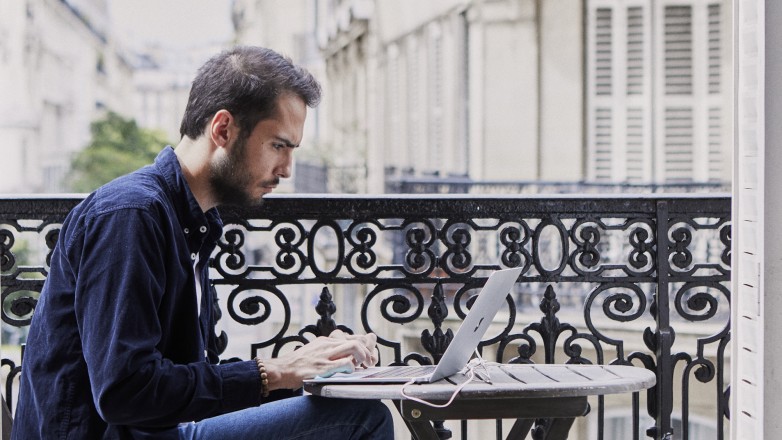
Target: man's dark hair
<point>246,81</point>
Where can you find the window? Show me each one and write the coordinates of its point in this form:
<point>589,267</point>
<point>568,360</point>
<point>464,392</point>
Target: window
<point>655,91</point>
<point>435,98</point>
<point>415,69</point>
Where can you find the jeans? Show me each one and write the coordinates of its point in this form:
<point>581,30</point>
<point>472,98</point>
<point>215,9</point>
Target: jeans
<point>299,418</point>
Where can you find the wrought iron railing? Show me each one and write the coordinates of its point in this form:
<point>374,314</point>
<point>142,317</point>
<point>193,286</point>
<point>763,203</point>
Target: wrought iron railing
<point>398,183</point>
<point>641,280</point>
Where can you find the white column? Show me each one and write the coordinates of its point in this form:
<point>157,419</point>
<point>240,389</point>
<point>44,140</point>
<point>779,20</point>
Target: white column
<point>772,261</point>
<point>757,212</point>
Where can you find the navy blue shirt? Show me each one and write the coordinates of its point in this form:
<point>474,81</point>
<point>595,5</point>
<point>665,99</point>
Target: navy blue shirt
<point>117,347</point>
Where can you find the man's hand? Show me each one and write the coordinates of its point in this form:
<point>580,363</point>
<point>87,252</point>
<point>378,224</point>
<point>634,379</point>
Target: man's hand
<point>369,341</point>
<point>338,351</point>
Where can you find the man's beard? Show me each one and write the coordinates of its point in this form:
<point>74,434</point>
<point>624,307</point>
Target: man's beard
<point>231,180</point>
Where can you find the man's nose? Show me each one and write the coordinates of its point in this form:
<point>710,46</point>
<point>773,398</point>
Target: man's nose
<point>284,169</point>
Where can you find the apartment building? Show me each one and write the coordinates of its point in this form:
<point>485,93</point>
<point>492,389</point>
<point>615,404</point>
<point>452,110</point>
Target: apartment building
<point>58,72</point>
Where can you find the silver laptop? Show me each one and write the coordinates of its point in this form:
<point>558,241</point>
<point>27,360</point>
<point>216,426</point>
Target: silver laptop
<point>459,350</point>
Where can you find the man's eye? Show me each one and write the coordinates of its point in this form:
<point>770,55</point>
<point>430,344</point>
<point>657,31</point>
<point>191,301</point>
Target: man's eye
<point>278,146</point>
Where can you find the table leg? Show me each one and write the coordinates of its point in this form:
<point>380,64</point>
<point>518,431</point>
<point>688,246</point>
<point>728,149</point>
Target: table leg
<point>422,430</point>
<point>559,428</point>
<point>520,429</point>
<point>443,433</point>
<point>556,429</point>
<point>561,412</point>
<point>407,422</point>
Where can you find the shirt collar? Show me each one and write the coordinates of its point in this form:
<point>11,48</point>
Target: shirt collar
<point>188,210</point>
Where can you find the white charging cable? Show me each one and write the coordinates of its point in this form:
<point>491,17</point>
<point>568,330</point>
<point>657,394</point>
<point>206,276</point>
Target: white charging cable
<point>476,362</point>
<point>436,405</point>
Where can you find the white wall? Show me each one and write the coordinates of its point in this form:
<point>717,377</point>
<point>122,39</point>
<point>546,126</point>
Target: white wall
<point>509,59</point>
<point>562,90</point>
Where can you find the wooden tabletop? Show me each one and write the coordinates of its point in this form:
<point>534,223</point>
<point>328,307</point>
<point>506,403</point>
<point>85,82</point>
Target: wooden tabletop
<point>508,381</point>
<point>557,393</point>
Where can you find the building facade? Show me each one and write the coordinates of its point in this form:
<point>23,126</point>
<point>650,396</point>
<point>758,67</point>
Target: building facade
<point>289,27</point>
<point>616,91</point>
<point>161,85</point>
<point>611,91</point>
<point>50,50</point>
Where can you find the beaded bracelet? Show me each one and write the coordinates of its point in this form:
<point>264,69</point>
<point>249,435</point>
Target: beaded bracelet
<point>264,377</point>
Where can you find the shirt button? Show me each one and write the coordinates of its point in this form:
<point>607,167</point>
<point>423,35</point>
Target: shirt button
<point>202,229</point>
<point>193,256</point>
<point>187,231</point>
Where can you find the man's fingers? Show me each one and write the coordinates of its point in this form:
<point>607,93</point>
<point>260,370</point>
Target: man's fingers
<point>369,339</point>
<point>334,349</point>
<point>338,334</point>
<point>339,345</point>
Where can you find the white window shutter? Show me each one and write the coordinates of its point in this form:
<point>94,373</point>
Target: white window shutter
<point>716,112</point>
<point>675,113</point>
<point>600,80</point>
<point>395,91</point>
<point>689,91</point>
<point>435,91</point>
<point>414,92</point>
<point>619,89</point>
<point>638,118</point>
<point>678,65</point>
<point>463,104</point>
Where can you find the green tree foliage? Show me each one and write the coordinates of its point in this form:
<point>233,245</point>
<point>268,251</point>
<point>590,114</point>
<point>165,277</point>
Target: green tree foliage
<point>118,146</point>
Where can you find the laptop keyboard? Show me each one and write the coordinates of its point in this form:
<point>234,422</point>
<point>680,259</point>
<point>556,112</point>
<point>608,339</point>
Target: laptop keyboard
<point>409,371</point>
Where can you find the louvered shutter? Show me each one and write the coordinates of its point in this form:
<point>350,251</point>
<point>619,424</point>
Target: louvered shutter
<point>716,112</point>
<point>462,122</point>
<point>638,158</point>
<point>414,103</point>
<point>394,99</point>
<point>689,91</point>
<point>619,90</point>
<point>600,90</point>
<point>677,103</point>
<point>435,84</point>
<point>682,139</point>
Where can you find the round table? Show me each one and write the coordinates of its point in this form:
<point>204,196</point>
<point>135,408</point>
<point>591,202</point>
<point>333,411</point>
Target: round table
<point>524,392</point>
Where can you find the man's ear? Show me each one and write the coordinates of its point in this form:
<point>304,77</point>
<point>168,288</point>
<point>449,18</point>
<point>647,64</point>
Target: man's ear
<point>222,128</point>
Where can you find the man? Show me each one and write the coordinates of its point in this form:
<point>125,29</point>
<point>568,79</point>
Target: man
<point>122,342</point>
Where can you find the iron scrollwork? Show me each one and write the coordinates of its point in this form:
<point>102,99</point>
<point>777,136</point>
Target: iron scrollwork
<point>604,262</point>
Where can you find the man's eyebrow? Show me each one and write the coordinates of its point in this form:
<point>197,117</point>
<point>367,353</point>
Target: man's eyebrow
<point>287,142</point>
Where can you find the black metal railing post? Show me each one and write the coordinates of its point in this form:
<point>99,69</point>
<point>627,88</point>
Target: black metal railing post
<point>664,335</point>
